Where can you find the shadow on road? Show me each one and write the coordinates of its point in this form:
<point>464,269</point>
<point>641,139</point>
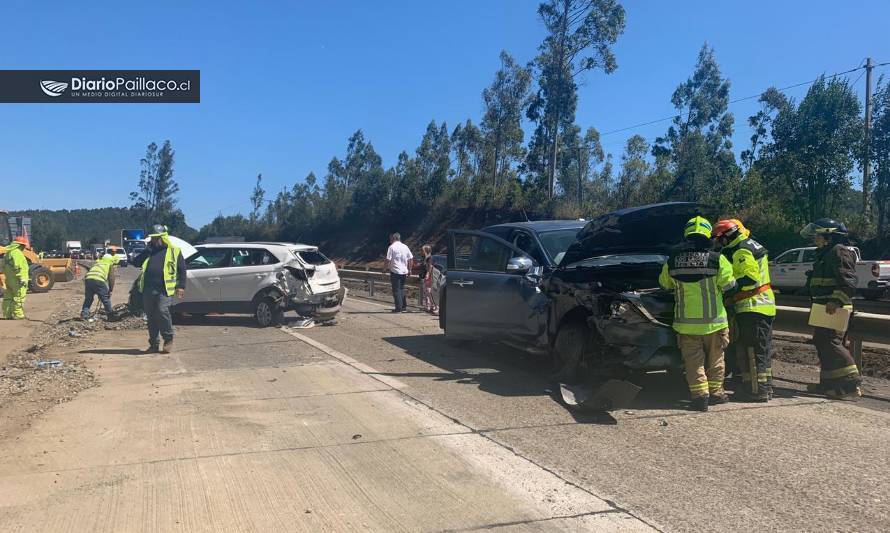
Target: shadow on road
<point>113,351</point>
<point>505,371</point>
<point>246,321</point>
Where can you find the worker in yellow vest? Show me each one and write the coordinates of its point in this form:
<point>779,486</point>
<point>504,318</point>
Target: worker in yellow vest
<point>700,277</point>
<point>754,306</point>
<point>15,272</point>
<point>99,281</point>
<point>162,278</point>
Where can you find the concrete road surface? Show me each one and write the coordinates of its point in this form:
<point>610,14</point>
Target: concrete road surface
<point>380,424</point>
<point>247,429</point>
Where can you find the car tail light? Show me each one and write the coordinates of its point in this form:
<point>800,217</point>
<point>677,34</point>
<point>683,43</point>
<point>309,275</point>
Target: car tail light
<point>876,270</point>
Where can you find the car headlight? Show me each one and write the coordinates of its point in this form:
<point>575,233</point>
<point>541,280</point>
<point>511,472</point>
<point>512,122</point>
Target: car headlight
<point>625,311</point>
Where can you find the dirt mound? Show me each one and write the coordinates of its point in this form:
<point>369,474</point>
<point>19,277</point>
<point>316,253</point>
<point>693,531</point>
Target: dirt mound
<point>800,350</point>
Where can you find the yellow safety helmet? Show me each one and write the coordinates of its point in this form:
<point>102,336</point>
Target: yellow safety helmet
<point>697,226</point>
<point>158,230</point>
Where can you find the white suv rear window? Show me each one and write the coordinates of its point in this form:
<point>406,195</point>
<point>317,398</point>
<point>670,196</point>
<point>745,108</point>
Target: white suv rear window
<point>313,257</point>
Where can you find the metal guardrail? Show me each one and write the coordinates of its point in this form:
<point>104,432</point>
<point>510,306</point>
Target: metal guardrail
<point>373,280</point>
<point>866,327</point>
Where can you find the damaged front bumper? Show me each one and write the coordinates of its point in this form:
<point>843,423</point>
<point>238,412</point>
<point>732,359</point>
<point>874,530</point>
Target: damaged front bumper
<point>642,341</point>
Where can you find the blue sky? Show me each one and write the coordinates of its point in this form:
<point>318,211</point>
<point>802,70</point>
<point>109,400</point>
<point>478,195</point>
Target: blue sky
<point>285,83</point>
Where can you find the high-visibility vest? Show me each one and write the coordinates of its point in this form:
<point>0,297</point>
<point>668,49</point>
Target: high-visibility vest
<point>100,270</point>
<point>750,266</point>
<point>171,270</point>
<point>698,278</point>
<point>15,265</point>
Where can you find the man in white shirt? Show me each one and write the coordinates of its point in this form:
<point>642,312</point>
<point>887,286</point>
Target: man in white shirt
<point>397,257</point>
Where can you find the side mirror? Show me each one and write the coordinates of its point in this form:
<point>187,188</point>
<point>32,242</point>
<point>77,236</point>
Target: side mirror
<point>519,265</point>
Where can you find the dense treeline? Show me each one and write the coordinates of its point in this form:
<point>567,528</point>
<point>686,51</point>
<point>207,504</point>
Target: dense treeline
<point>51,228</point>
<point>799,164</point>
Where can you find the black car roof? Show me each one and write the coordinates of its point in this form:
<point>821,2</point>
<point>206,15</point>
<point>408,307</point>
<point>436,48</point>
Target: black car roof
<point>543,225</point>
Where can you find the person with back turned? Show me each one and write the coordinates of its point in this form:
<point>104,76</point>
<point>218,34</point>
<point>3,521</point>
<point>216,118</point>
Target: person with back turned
<point>397,260</point>
<point>755,308</point>
<point>699,277</point>
<point>99,281</point>
<point>162,277</point>
<point>833,284</point>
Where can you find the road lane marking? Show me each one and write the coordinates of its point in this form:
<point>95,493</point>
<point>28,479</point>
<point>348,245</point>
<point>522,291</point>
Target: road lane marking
<point>343,358</point>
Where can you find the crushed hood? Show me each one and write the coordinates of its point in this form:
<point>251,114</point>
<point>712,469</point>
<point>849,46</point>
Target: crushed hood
<point>654,228</point>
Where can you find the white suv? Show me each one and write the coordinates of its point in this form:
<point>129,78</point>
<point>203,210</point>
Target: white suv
<point>263,278</point>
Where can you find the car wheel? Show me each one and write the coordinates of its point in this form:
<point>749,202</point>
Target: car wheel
<point>267,313</point>
<point>572,341</point>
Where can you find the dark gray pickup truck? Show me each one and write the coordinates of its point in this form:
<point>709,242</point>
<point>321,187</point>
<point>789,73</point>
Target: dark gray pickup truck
<point>585,292</point>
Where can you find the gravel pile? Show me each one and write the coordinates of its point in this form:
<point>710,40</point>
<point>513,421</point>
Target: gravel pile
<point>46,373</point>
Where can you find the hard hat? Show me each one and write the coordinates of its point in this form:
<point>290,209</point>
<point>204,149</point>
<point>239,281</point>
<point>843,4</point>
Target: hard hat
<point>107,256</point>
<point>730,229</point>
<point>697,226</point>
<point>22,239</point>
<point>825,227</point>
<point>158,230</point>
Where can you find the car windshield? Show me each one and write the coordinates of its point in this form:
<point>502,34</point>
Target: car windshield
<point>622,259</point>
<point>557,242</point>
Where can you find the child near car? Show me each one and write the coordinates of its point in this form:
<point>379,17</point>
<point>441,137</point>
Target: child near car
<point>426,275</point>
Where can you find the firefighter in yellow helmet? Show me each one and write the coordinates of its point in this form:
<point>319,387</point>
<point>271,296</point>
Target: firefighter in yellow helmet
<point>15,271</point>
<point>700,277</point>
<point>754,305</point>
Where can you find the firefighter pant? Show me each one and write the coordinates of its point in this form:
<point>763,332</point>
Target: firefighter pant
<point>91,289</point>
<point>157,310</point>
<point>839,371</point>
<point>14,299</point>
<point>703,359</point>
<point>754,340</point>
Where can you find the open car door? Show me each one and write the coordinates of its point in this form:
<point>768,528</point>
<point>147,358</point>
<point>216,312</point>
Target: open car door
<point>492,290</point>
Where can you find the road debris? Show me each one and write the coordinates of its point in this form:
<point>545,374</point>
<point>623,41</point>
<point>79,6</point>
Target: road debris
<point>613,394</point>
<point>31,382</point>
<point>302,323</point>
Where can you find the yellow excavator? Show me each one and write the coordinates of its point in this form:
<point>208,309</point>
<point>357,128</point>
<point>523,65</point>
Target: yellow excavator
<point>43,272</point>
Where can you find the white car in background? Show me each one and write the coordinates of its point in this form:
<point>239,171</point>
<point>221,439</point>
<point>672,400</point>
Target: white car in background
<point>118,252</point>
<point>789,271</point>
<point>265,279</point>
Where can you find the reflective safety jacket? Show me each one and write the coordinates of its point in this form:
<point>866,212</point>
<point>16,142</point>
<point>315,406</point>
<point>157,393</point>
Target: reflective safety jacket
<point>834,275</point>
<point>14,264</point>
<point>750,267</point>
<point>699,278</point>
<point>171,269</point>
<point>102,271</point>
